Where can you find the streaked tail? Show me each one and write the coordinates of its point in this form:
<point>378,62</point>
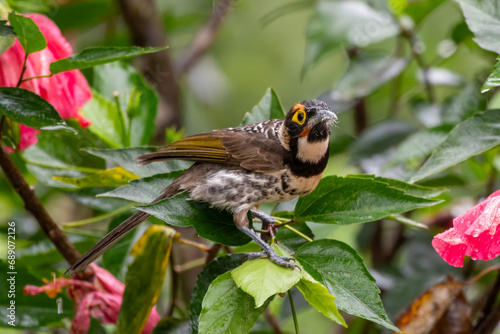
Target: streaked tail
<point>109,240</point>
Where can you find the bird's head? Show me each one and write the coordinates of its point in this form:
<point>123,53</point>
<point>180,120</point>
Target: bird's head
<point>311,119</point>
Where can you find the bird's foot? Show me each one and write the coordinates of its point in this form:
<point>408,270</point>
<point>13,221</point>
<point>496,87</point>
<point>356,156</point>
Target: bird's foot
<point>281,261</point>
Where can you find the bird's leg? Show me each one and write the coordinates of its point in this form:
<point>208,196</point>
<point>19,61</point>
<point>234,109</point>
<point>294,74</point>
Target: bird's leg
<point>268,223</point>
<point>241,221</point>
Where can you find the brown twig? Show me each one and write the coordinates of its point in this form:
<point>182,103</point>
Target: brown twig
<point>271,319</point>
<point>33,205</point>
<point>360,116</point>
<point>490,303</point>
<point>204,39</point>
<point>412,39</point>
<point>141,16</point>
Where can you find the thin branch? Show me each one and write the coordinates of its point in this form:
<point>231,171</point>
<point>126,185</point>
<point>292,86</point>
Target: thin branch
<point>33,205</point>
<point>23,70</point>
<point>146,28</point>
<point>204,39</point>
<point>412,39</point>
<point>273,322</point>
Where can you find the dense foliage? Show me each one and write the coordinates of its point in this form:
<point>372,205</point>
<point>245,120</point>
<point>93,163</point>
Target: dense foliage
<point>414,84</point>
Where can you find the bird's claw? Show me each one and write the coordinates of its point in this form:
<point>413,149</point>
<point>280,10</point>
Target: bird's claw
<point>281,261</point>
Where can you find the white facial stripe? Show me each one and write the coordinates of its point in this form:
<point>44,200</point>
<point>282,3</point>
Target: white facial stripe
<point>311,152</point>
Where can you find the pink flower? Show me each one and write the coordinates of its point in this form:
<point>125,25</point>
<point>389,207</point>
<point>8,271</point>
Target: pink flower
<point>67,92</point>
<point>475,233</point>
<point>100,299</point>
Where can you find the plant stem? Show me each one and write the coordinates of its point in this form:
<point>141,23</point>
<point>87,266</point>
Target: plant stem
<point>33,205</point>
<point>297,232</point>
<point>294,314</point>
<point>271,319</point>
<point>63,167</point>
<point>22,71</point>
<point>99,218</point>
<point>198,245</point>
<point>37,77</point>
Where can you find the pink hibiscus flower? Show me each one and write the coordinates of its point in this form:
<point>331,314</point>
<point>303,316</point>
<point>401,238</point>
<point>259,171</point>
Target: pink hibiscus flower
<point>67,92</point>
<point>475,233</point>
<point>100,299</point>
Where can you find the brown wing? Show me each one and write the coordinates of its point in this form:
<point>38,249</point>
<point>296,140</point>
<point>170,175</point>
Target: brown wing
<point>251,147</point>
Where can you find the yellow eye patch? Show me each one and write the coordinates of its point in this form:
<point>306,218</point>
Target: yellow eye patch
<point>299,117</point>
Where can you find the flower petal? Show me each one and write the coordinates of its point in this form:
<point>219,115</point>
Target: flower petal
<point>450,247</point>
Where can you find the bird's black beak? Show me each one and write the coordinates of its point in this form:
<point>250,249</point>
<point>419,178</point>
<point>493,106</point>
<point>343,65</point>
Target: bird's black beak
<point>323,115</point>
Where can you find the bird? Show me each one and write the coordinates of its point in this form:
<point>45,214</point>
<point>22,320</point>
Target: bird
<point>236,169</point>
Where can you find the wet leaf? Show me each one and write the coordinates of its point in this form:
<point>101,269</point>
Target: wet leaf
<point>347,24</point>
<point>493,79</point>
<point>30,109</point>
<point>483,19</point>
<point>473,136</point>
<point>367,72</point>
<point>414,149</point>
<point>212,224</point>
<point>145,278</point>
<point>98,56</point>
<point>107,121</point>
<point>340,269</point>
<point>269,107</point>
<point>262,279</point>
<point>407,188</point>
<point>143,190</point>
<point>210,272</point>
<point>126,157</point>
<point>28,34</point>
<point>352,199</point>
<point>113,177</point>
<point>227,309</point>
<point>319,297</point>
<point>423,314</point>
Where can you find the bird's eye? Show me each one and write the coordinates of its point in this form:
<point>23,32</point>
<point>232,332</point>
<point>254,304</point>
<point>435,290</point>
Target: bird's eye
<point>299,117</point>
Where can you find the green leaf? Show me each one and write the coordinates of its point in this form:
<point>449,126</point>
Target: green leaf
<point>269,107</point>
<point>340,269</point>
<point>126,157</point>
<point>143,190</point>
<point>344,23</point>
<point>31,312</point>
<point>493,79</point>
<point>28,34</point>
<point>473,136</point>
<point>6,30</point>
<point>379,138</point>
<point>350,200</point>
<point>418,10</point>
<point>106,121</point>
<point>212,224</point>
<point>45,175</point>
<point>291,239</point>
<point>227,309</point>
<point>464,104</point>
<point>367,72</point>
<point>210,272</point>
<point>30,109</point>
<point>483,19</point>
<point>98,56</point>
<point>145,278</point>
<point>113,177</point>
<point>137,98</point>
<point>262,279</point>
<point>407,188</point>
<point>414,149</point>
<point>319,297</point>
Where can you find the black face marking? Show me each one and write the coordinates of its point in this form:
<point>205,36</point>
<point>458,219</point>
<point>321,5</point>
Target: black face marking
<point>319,132</point>
<point>301,168</point>
<point>311,108</point>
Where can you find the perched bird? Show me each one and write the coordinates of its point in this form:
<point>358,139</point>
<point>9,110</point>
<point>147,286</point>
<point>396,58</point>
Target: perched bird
<point>238,168</point>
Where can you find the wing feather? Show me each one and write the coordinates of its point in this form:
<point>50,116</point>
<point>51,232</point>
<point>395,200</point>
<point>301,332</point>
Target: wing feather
<point>239,147</point>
